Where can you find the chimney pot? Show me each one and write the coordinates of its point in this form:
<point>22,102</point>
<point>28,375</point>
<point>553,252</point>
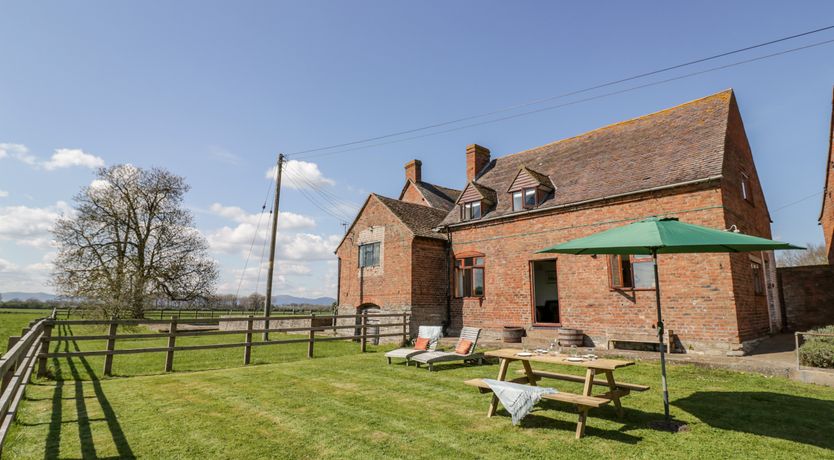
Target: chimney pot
<point>477,157</point>
<point>413,170</point>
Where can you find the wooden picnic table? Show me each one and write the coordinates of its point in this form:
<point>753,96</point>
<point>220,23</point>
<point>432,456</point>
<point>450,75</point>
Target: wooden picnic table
<point>584,401</point>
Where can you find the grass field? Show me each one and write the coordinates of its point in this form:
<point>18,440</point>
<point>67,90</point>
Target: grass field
<point>353,405</point>
<point>13,320</point>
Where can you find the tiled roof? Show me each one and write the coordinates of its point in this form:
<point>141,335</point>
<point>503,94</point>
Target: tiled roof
<point>418,218</point>
<point>437,196</point>
<point>673,146</point>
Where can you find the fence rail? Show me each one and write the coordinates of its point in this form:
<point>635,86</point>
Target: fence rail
<point>362,333</point>
<point>15,369</point>
<point>192,313</point>
<point>798,336</point>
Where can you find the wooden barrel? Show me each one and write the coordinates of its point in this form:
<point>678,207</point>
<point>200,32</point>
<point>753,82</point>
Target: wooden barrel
<point>513,334</point>
<point>568,337</point>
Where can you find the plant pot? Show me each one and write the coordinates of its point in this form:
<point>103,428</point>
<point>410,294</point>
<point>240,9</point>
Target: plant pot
<point>513,334</point>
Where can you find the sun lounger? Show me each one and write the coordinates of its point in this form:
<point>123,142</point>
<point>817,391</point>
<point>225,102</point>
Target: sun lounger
<point>433,357</point>
<point>433,333</point>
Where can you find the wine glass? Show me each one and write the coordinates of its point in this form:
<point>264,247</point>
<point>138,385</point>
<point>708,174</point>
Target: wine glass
<point>573,352</point>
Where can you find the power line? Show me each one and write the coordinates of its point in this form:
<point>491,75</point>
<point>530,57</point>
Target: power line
<point>566,94</point>
<point>332,210</point>
<point>815,194</point>
<point>254,237</point>
<point>579,101</point>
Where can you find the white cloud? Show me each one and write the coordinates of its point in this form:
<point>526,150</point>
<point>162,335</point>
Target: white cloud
<point>296,247</point>
<point>61,158</point>
<point>300,175</point>
<point>66,158</point>
<point>29,278</point>
<point>286,220</point>
<point>307,246</point>
<point>17,151</point>
<point>31,226</point>
<point>224,156</point>
<point>3,194</point>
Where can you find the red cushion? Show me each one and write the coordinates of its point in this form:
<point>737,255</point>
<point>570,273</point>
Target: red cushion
<point>421,343</point>
<point>463,347</point>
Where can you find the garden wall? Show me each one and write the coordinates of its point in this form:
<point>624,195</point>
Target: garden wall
<point>807,295</point>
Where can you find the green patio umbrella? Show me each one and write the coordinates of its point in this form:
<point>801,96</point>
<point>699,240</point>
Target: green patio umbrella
<point>664,236</point>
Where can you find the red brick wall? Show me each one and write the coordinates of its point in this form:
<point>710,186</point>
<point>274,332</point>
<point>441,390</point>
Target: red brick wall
<point>429,281</point>
<point>387,286</point>
<point>412,195</point>
<point>697,290</point>
<point>412,273</point>
<point>827,217</point>
<point>751,217</point>
<point>808,296</point>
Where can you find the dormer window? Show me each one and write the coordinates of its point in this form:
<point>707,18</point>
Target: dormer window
<point>529,189</point>
<point>471,210</point>
<point>527,198</point>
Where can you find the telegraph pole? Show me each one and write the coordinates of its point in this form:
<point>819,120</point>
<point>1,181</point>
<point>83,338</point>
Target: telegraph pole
<point>268,300</point>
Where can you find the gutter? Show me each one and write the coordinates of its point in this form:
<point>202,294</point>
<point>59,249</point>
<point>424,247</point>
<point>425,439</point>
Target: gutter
<point>579,203</point>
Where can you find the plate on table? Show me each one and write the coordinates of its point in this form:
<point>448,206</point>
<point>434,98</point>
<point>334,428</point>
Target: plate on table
<point>590,356</point>
<point>540,351</point>
<point>524,353</point>
<point>575,359</point>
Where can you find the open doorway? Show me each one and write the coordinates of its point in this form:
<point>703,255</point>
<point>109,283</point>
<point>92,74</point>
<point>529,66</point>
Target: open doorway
<point>545,292</point>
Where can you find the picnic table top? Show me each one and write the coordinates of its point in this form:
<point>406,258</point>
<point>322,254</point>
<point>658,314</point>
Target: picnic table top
<point>602,364</point>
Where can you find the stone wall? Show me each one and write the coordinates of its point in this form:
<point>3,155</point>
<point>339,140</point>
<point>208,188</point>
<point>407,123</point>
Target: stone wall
<point>276,323</point>
<point>808,296</point>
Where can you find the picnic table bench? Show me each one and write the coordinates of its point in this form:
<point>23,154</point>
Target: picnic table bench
<point>584,401</point>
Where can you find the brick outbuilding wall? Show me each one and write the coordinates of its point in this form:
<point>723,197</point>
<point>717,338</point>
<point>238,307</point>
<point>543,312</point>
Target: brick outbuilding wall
<point>808,295</point>
<point>411,275</point>
<point>750,216</point>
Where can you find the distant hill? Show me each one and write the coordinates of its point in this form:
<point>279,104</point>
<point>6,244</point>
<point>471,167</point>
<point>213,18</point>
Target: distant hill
<point>289,299</point>
<point>42,296</point>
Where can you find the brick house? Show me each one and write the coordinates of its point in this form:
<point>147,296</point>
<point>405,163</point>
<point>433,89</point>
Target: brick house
<point>391,260</point>
<point>692,161</point>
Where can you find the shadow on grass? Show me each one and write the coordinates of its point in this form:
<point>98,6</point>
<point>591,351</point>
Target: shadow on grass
<point>775,415</point>
<point>85,434</point>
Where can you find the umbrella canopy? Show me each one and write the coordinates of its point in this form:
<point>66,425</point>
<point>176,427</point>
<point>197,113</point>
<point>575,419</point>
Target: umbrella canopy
<point>665,235</point>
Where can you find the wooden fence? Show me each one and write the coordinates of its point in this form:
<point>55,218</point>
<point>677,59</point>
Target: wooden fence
<point>16,368</point>
<point>361,328</point>
<point>196,313</point>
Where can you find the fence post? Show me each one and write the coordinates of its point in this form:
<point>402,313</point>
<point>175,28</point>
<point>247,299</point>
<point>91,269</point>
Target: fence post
<point>172,342</point>
<point>47,333</point>
<point>405,328</point>
<point>10,372</point>
<point>247,349</point>
<point>796,338</point>
<point>111,345</point>
<point>363,341</point>
<point>312,336</point>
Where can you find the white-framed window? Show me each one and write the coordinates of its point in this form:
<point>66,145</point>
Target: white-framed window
<point>470,210</point>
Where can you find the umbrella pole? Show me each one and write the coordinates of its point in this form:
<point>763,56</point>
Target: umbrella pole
<point>660,339</point>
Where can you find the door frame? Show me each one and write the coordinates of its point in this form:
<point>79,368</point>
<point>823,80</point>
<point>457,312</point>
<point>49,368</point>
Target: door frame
<point>532,277</point>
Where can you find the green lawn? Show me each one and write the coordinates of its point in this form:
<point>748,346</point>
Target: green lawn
<point>13,320</point>
<point>355,406</point>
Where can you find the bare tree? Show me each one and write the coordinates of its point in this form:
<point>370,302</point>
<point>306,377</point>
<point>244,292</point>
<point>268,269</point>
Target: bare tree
<point>814,255</point>
<point>130,241</point>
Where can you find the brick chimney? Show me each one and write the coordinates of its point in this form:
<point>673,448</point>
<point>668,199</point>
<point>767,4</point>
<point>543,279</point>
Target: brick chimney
<point>413,170</point>
<point>477,158</point>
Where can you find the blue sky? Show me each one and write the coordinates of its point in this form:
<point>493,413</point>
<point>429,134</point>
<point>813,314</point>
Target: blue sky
<point>214,90</point>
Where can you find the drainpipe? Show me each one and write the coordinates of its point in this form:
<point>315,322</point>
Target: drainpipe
<point>448,320</point>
